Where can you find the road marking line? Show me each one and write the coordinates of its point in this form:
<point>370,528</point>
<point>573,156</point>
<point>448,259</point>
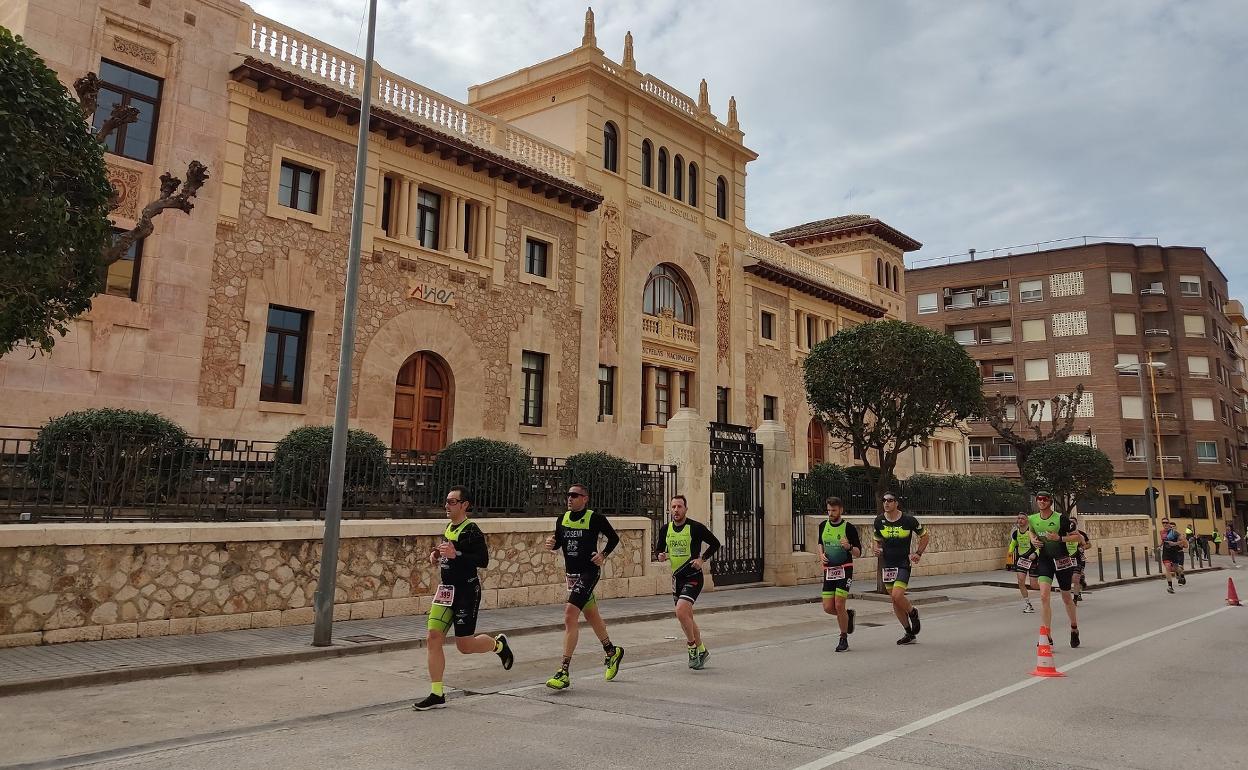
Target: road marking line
<point>886,737</point>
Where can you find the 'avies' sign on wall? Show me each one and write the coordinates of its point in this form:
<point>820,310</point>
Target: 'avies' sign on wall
<point>434,295</point>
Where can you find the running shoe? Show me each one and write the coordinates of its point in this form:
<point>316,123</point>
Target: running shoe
<point>432,702</point>
<point>850,630</point>
<point>914,621</point>
<point>1182,580</point>
<point>1028,609</point>
<point>1074,637</point>
<point>693,658</point>
<point>560,681</point>
<point>504,654</point>
<point>907,639</point>
<point>1169,588</point>
<point>842,645</point>
<point>612,663</point>
<point>702,656</point>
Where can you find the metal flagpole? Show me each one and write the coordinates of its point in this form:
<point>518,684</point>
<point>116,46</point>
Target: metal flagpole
<point>322,632</point>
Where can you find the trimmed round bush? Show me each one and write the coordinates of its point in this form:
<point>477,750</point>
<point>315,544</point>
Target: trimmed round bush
<point>614,483</point>
<point>111,457</point>
<point>735,484</point>
<point>301,466</point>
<point>498,474</point>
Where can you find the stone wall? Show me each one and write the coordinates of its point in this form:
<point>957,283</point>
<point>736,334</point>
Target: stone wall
<point>963,544</point>
<point>72,583</point>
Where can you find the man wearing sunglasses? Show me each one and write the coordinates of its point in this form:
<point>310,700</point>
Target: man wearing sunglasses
<point>1173,543</point>
<point>577,533</point>
<point>1053,534</point>
<point>458,598</point>
<point>892,533</point>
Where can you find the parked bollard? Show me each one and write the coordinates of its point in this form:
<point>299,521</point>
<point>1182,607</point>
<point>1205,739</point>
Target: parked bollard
<point>1100,565</point>
<point>1117,563</point>
<point>1148,563</point>
<point>1133,572</point>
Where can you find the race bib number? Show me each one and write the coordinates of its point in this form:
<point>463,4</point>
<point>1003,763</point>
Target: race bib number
<point>890,574</point>
<point>1023,564</point>
<point>444,596</point>
<point>834,573</point>
<point>1067,562</point>
<point>572,581</point>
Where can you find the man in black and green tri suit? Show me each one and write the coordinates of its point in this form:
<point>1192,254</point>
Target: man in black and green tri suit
<point>839,544</point>
<point>458,597</point>
<point>683,539</point>
<point>1051,533</point>
<point>893,533</point>
<point>1024,554</point>
<point>577,533</point>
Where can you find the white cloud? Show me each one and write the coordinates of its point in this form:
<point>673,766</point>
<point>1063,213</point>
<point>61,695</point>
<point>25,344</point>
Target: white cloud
<point>970,124</point>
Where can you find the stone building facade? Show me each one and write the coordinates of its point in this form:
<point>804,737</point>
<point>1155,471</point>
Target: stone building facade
<point>562,261</point>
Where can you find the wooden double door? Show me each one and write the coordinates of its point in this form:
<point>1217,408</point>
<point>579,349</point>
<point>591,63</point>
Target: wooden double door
<point>422,404</point>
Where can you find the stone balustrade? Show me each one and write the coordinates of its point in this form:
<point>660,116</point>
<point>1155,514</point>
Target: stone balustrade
<point>786,257</point>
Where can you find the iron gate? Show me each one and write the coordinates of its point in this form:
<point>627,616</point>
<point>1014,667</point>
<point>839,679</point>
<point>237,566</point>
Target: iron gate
<point>737,471</point>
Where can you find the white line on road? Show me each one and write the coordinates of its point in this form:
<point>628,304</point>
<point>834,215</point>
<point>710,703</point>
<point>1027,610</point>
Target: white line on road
<point>886,737</point>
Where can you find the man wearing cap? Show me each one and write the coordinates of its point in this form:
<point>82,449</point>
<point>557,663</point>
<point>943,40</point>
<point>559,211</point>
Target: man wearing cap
<point>1051,534</point>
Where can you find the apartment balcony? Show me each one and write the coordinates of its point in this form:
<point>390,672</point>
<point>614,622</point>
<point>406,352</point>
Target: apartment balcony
<point>1168,424</point>
<point>1153,300</point>
<point>1157,340</point>
<point>994,466</point>
<point>1163,383</point>
<point>996,379</point>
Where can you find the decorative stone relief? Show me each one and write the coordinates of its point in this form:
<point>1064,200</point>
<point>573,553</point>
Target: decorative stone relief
<point>608,312</point>
<point>137,50</point>
<point>127,185</point>
<point>723,290</point>
<point>706,263</point>
<point>638,238</point>
<point>838,248</point>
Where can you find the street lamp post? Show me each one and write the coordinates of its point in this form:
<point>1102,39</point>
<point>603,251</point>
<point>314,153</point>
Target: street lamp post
<point>1138,369</point>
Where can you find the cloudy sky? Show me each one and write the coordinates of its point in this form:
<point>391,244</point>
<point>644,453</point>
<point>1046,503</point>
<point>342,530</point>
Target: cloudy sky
<point>965,124</point>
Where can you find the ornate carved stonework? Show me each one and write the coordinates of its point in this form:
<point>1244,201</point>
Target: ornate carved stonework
<point>127,184</point>
<point>838,248</point>
<point>608,314</point>
<point>723,290</point>
<point>638,238</point>
<point>706,263</point>
<point>137,50</point>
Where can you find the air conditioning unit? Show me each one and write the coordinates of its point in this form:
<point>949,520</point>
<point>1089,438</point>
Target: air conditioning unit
<point>949,293</point>
<point>1005,284</point>
<point>979,293</point>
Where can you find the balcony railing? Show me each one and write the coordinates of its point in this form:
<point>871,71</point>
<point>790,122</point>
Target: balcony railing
<point>1156,290</point>
<point>1156,332</point>
<point>1001,458</point>
<point>998,378</point>
<point>787,258</point>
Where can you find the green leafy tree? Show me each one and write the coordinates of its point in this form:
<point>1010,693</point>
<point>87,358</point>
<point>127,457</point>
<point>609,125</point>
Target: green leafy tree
<point>56,238</point>
<point>1069,471</point>
<point>888,386</point>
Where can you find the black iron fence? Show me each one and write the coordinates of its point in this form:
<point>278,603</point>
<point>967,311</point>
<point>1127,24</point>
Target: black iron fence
<point>858,496</point>
<point>239,480</point>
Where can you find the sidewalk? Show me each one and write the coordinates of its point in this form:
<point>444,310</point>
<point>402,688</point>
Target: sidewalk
<point>51,667</point>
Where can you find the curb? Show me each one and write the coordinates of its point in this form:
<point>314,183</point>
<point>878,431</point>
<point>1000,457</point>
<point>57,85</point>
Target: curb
<point>1091,586</point>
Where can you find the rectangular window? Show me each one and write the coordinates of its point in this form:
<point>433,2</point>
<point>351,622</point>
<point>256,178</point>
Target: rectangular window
<point>948,455</point>
<point>1030,291</point>
<point>811,325</point>
<point>1000,334</point>
<point>285,347</point>
<point>1120,283</point>
<point>927,303</point>
<point>1202,409</point>
<point>1129,358</point>
<point>122,277</point>
<point>682,379</point>
<point>662,396</point>
<point>535,254</point>
<point>299,187</point>
<point>1198,366</point>
<point>1036,369</point>
<point>1124,324</point>
<point>533,370</point>
<point>964,336</point>
<point>1033,330</point>
<point>1003,452</point>
<point>1132,408</point>
<point>1206,451</point>
<point>606,392</point>
<point>1194,325</point>
<point>1132,449</point>
<point>1039,411</point>
<point>769,407</point>
<point>1011,412</point>
<point>976,453</point>
<point>388,183</point>
<point>767,325</point>
<point>428,214</point>
<point>469,223</point>
<point>721,405</point>
<point>129,88</point>
<point>963,299</point>
<point>1189,285</point>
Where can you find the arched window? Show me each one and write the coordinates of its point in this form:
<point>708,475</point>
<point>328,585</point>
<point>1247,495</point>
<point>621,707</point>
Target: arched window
<point>666,290</point>
<point>610,147</point>
<point>647,163</point>
<point>693,183</point>
<point>663,170</point>
<point>678,178</point>
<point>879,272</point>
<point>896,279</point>
<point>721,198</point>
<point>888,276</point>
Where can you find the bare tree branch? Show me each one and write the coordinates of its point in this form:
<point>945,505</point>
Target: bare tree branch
<point>171,197</point>
<point>1032,433</point>
<point>88,89</point>
<point>120,116</point>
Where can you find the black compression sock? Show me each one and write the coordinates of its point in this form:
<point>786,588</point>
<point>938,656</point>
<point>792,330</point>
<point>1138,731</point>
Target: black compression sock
<point>607,647</point>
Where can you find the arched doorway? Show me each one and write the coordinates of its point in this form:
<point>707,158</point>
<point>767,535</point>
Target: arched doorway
<point>816,441</point>
<point>422,404</point>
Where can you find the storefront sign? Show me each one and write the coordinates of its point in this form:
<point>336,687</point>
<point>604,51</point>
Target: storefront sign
<point>434,295</point>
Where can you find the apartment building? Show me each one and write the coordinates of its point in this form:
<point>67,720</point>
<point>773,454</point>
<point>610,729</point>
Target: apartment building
<point>1239,386</point>
<point>1042,323</point>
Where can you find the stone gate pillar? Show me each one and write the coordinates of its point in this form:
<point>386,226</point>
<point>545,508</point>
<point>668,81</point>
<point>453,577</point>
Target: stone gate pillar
<point>779,566</point>
<point>687,445</point>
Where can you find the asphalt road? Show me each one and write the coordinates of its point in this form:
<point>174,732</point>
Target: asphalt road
<point>1160,681</point>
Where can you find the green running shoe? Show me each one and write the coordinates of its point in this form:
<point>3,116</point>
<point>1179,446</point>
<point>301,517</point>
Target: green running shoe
<point>693,658</point>
<point>559,681</point>
<point>702,656</point>
<point>613,663</point>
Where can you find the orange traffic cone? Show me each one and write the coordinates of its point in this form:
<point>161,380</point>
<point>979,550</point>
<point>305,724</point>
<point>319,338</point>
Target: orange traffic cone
<point>1044,656</point>
<point>1232,598</point>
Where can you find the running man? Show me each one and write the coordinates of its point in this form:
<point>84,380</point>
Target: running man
<point>577,532</point>
<point>1079,581</point>
<point>458,598</point>
<point>1051,534</point>
<point>892,533</point>
<point>1232,542</point>
<point>683,539</point>
<point>1024,558</point>
<point>839,544</point>
<point>1173,544</point>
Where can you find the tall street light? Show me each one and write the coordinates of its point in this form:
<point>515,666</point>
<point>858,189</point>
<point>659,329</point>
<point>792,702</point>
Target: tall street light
<point>1138,370</point>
